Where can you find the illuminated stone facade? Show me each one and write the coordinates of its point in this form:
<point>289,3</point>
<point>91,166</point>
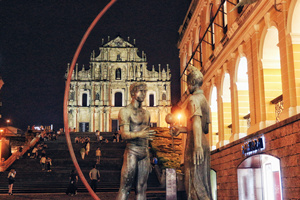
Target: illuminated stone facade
<point>99,92</point>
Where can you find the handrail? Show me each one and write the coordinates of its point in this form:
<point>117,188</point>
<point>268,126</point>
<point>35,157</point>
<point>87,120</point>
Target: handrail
<point>277,99</point>
<point>17,154</point>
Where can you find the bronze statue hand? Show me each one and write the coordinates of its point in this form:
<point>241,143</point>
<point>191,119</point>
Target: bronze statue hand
<point>146,133</point>
<point>151,134</point>
<point>198,155</point>
<point>175,130</point>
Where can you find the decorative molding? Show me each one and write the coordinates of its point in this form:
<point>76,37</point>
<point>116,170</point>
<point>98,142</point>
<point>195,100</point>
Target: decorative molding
<point>267,19</point>
<point>241,50</point>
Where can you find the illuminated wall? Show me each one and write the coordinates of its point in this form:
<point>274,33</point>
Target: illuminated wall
<point>260,41</point>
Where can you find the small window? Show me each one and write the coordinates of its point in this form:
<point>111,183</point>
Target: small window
<point>164,96</point>
<point>211,28</point>
<point>151,100</point>
<point>118,74</point>
<point>97,96</point>
<point>240,8</point>
<point>224,17</point>
<point>119,57</point>
<point>114,125</point>
<point>84,100</point>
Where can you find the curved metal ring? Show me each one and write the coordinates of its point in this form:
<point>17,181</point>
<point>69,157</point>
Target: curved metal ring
<point>67,89</point>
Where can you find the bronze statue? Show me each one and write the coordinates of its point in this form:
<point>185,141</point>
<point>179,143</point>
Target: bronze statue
<point>197,150</point>
<point>134,128</point>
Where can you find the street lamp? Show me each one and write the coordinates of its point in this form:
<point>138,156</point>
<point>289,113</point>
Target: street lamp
<point>179,116</point>
<point>7,122</point>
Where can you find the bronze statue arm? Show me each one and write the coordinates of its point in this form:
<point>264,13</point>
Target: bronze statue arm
<point>176,130</point>
<point>124,119</point>
<point>144,133</point>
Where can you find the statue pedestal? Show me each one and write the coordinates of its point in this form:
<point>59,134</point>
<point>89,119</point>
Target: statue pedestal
<point>171,189</point>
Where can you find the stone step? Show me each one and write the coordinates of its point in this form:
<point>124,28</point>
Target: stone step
<point>30,177</point>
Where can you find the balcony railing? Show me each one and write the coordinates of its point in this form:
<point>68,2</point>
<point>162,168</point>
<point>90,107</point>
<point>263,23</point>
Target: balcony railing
<point>278,102</point>
<point>247,117</point>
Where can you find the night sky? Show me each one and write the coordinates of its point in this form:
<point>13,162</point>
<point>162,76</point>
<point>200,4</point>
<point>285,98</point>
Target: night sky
<point>39,37</point>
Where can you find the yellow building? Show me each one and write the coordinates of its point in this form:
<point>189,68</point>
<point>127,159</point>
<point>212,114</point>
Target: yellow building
<point>250,59</point>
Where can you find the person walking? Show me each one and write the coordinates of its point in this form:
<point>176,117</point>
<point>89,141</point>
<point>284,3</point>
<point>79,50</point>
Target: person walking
<point>98,155</point>
<point>48,164</point>
<point>82,152</point>
<point>43,162</point>
<point>95,177</point>
<point>72,188</point>
<point>87,148</point>
<point>11,179</point>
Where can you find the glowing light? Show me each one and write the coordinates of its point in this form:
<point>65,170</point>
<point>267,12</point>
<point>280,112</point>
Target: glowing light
<point>179,116</point>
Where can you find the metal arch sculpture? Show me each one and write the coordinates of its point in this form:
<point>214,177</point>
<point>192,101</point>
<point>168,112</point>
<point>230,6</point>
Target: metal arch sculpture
<point>67,89</point>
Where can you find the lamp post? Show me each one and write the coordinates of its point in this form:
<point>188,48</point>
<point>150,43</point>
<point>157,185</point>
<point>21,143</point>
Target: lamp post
<point>7,122</point>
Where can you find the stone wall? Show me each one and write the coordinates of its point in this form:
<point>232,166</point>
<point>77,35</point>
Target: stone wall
<point>282,140</point>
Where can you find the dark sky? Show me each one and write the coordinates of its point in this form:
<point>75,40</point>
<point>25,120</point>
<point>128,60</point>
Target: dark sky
<point>39,37</point>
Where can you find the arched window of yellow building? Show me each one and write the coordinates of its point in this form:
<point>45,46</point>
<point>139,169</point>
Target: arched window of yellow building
<point>214,118</point>
<point>272,74</point>
<point>226,96</point>
<point>295,35</point>
<point>243,97</point>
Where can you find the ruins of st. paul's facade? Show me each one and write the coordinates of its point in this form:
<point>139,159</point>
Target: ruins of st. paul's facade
<point>99,92</point>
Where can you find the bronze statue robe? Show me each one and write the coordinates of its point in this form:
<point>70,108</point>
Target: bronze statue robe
<point>197,177</point>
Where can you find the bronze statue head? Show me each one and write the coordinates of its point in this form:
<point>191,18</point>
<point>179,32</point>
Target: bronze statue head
<point>194,77</point>
<point>136,86</point>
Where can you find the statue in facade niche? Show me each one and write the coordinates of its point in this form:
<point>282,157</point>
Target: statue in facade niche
<point>134,128</point>
<point>197,150</point>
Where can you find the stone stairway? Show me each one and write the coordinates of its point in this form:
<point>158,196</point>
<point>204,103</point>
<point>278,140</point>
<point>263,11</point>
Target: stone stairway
<point>31,179</point>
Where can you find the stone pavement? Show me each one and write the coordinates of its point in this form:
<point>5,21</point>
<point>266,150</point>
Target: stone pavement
<point>62,196</point>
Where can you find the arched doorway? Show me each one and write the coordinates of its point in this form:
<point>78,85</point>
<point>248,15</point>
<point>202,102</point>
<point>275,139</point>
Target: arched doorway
<point>272,74</point>
<point>118,99</point>
<point>259,178</point>
<point>213,184</point>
